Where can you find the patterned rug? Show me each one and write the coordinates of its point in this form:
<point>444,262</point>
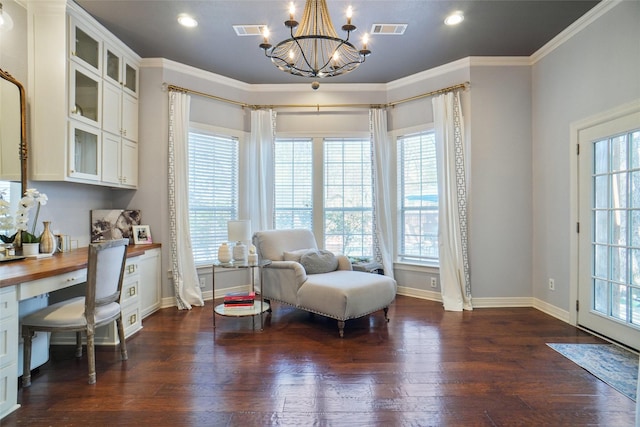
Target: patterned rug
<point>610,363</point>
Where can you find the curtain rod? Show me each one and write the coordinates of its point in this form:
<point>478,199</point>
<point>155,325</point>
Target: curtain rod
<point>174,88</point>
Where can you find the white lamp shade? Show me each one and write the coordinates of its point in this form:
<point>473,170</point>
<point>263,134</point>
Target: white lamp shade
<point>239,231</point>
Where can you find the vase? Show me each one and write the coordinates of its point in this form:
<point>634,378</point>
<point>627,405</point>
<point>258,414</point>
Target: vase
<point>47,240</point>
<point>30,249</point>
<point>224,253</point>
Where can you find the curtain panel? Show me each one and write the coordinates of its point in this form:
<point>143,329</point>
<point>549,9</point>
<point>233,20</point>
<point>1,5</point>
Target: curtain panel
<point>183,268</point>
<point>455,280</point>
<point>382,193</point>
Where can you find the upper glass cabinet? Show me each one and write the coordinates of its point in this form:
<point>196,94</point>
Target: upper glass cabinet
<point>85,46</point>
<point>118,69</point>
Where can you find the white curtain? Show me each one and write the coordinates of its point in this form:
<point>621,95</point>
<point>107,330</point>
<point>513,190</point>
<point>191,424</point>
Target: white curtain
<point>452,190</point>
<point>183,268</point>
<point>258,188</point>
<point>381,162</point>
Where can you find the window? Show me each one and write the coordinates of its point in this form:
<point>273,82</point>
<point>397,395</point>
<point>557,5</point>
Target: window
<point>293,183</point>
<point>341,201</point>
<point>348,206</point>
<point>213,191</point>
<point>418,198</point>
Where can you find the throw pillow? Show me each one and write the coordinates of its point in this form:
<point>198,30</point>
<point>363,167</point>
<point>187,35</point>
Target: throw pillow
<point>319,261</point>
<point>295,255</point>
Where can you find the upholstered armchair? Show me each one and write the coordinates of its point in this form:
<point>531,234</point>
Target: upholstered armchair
<point>317,281</point>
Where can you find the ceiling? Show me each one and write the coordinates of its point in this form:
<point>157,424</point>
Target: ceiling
<point>490,28</point>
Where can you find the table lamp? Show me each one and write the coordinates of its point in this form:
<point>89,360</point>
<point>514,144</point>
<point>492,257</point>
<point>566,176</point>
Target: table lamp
<point>239,232</point>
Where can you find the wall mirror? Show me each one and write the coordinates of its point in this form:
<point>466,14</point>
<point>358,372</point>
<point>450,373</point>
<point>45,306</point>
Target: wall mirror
<point>13,131</point>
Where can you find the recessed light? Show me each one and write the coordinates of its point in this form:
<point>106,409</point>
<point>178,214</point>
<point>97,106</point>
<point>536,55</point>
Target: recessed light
<point>187,20</point>
<point>455,18</point>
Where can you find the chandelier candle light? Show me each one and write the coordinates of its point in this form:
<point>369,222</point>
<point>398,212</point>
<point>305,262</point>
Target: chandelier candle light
<point>315,50</point>
<point>240,232</point>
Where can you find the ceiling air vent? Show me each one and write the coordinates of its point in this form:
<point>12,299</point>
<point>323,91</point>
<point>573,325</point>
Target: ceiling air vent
<point>249,30</point>
<point>388,29</point>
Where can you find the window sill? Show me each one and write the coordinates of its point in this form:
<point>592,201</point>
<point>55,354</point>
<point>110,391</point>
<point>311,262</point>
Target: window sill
<point>421,267</point>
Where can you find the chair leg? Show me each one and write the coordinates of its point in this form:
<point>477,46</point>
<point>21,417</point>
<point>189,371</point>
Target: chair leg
<point>91,356</point>
<point>341,328</point>
<point>27,335</point>
<point>78,344</point>
<point>123,341</point>
<point>386,314</point>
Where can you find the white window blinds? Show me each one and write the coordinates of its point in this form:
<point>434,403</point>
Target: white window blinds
<point>213,191</point>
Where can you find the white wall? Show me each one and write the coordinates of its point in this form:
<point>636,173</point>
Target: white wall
<point>596,70</point>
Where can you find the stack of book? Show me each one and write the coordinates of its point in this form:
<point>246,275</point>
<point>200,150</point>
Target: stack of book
<point>240,300</point>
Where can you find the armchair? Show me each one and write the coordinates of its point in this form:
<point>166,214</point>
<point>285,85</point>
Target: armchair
<point>323,288</point>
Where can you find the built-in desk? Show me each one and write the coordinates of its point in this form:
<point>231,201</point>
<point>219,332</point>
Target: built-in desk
<point>27,278</point>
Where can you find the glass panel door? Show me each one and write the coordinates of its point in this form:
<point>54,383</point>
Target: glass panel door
<point>609,283</point>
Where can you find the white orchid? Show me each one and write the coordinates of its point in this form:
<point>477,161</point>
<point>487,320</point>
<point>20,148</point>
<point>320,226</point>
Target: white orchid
<point>32,197</point>
<point>6,221</point>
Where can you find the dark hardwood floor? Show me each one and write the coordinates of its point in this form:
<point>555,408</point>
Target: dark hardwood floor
<point>427,367</point>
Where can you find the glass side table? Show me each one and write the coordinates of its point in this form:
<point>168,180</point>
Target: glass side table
<point>259,306</point>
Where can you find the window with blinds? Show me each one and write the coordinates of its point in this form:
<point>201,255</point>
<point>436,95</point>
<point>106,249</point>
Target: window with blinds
<point>348,188</point>
<point>418,198</point>
<point>293,171</point>
<point>213,191</point>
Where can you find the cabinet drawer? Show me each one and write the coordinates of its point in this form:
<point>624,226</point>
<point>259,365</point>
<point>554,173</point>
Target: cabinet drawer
<point>129,291</point>
<point>131,320</point>
<point>8,303</point>
<point>8,328</point>
<point>50,284</point>
<point>8,390</point>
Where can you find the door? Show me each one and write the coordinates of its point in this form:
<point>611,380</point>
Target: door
<point>609,229</point>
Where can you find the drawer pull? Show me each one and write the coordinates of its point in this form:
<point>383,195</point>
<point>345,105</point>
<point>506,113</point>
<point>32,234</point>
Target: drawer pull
<point>131,268</point>
<point>132,319</point>
<point>132,291</point>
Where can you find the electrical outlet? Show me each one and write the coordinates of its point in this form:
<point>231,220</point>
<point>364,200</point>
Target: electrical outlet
<point>434,282</point>
<point>552,285</point>
<point>202,283</point>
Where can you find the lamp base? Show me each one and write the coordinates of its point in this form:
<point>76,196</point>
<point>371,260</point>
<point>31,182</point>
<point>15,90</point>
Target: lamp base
<point>240,252</point>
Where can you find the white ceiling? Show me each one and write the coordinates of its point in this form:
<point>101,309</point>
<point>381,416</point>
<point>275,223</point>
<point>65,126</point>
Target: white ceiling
<point>490,28</point>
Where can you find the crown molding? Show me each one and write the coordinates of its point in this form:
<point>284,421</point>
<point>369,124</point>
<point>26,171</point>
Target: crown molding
<point>460,64</point>
<point>585,20</point>
<point>500,61</point>
<point>167,64</point>
<point>325,87</point>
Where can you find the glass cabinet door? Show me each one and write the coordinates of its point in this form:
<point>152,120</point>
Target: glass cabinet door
<point>130,83</point>
<point>85,95</point>
<point>85,149</point>
<point>85,47</point>
<point>113,66</point>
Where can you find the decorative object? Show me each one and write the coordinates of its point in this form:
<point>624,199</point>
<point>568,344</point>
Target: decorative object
<point>141,235</point>
<point>6,220</point>
<point>315,50</point>
<point>224,253</point>
<point>32,197</point>
<point>239,232</point>
<point>253,256</point>
<point>30,249</point>
<point>610,363</point>
<point>110,224</point>
<point>47,240</point>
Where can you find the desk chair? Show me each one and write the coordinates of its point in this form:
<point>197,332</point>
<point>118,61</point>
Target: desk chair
<point>99,307</point>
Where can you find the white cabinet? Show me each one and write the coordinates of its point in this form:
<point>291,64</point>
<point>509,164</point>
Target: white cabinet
<point>150,289</point>
<point>84,99</point>
<point>8,351</point>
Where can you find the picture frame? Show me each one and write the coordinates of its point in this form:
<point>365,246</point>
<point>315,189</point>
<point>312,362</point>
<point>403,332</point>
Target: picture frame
<point>110,224</point>
<point>141,235</point>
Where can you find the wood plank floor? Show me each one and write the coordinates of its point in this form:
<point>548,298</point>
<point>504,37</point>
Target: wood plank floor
<point>427,367</point>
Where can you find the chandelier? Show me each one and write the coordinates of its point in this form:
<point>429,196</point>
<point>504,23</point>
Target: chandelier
<point>315,50</point>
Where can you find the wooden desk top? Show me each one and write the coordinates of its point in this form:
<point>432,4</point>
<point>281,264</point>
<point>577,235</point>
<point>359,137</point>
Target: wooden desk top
<point>25,270</point>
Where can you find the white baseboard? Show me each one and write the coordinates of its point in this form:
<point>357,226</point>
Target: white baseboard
<point>536,303</point>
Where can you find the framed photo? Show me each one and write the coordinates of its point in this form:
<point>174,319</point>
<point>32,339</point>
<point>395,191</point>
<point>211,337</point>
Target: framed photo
<point>109,224</point>
<point>141,234</point>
